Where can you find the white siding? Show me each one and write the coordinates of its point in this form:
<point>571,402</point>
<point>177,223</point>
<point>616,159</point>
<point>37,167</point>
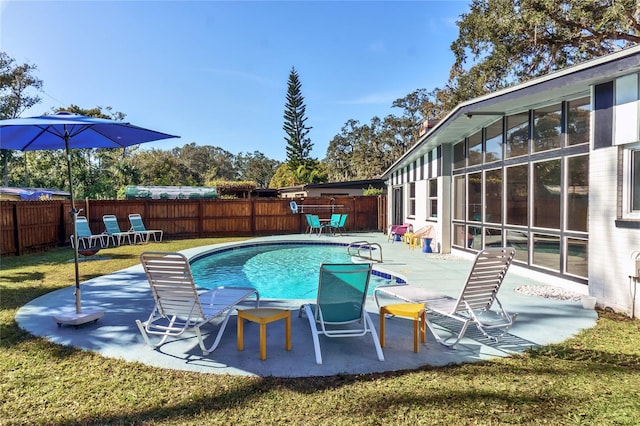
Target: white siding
<point>610,247</point>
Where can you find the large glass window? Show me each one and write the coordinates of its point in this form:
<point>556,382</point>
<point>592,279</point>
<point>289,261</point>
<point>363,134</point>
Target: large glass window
<point>518,186</point>
<point>458,197</point>
<point>546,194</point>
<point>577,193</point>
<point>460,237</point>
<point>474,189</point>
<point>458,155</point>
<point>546,251</point>
<point>517,135</point>
<point>578,123</point>
<point>547,128</point>
<point>493,144</point>
<point>474,238</point>
<point>493,196</point>
<point>517,195</point>
<point>519,240</point>
<point>475,149</point>
<point>577,256</point>
<point>493,237</point>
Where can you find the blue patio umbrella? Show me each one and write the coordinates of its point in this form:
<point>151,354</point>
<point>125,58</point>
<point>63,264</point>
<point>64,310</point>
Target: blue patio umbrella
<point>68,131</point>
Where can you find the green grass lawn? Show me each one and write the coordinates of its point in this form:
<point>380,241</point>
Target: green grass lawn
<point>592,379</point>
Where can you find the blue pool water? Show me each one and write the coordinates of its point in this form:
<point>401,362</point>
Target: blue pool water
<point>277,271</point>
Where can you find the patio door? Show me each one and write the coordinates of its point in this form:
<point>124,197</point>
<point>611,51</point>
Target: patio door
<point>398,206</point>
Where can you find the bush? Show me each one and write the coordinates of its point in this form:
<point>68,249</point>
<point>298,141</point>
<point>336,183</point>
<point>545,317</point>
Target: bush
<point>372,191</point>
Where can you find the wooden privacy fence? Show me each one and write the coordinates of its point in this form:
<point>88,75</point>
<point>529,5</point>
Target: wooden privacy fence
<point>31,226</point>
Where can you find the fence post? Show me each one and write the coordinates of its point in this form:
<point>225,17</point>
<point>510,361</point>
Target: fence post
<point>252,205</point>
<point>200,218</point>
<point>355,212</point>
<point>16,230</point>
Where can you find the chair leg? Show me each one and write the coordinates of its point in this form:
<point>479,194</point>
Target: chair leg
<point>314,333</point>
<point>374,336</point>
<point>382,330</point>
<point>446,342</point>
<point>145,336</point>
<point>143,330</point>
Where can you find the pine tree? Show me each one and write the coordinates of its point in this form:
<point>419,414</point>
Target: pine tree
<point>299,145</point>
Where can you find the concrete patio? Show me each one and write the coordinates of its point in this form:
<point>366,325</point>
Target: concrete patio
<point>125,296</point>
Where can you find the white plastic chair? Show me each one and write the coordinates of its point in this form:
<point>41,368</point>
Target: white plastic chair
<point>179,307</point>
<point>473,304</point>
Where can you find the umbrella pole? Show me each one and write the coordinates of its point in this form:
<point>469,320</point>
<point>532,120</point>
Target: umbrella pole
<point>74,218</point>
<point>79,317</point>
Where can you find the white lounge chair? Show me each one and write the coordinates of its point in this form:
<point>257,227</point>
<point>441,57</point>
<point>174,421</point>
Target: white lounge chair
<point>179,307</point>
<point>474,303</point>
<point>143,234</point>
<point>339,310</point>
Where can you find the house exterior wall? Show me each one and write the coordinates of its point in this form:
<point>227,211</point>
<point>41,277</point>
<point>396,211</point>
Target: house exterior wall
<point>293,193</point>
<point>611,246</point>
<point>422,173</point>
<point>334,192</point>
<point>608,268</point>
<point>613,224</point>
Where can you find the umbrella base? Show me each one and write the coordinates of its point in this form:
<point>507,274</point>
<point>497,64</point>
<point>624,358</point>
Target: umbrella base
<point>76,319</point>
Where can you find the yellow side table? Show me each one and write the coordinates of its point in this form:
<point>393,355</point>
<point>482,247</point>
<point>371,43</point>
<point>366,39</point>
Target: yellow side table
<point>414,311</point>
<point>264,316</point>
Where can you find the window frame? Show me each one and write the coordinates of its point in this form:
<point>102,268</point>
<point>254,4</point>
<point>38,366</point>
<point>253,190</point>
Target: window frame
<point>411,199</point>
<point>432,197</point>
<point>630,174</point>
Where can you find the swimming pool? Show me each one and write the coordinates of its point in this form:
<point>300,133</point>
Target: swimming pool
<point>287,270</point>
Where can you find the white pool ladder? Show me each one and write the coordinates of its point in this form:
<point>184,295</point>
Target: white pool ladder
<point>365,250</point>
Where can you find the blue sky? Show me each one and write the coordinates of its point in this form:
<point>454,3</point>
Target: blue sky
<point>215,72</point>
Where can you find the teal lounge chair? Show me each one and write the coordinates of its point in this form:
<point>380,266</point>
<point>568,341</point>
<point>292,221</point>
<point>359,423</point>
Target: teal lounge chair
<point>113,233</point>
<point>143,234</point>
<point>86,239</point>
<point>340,307</point>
